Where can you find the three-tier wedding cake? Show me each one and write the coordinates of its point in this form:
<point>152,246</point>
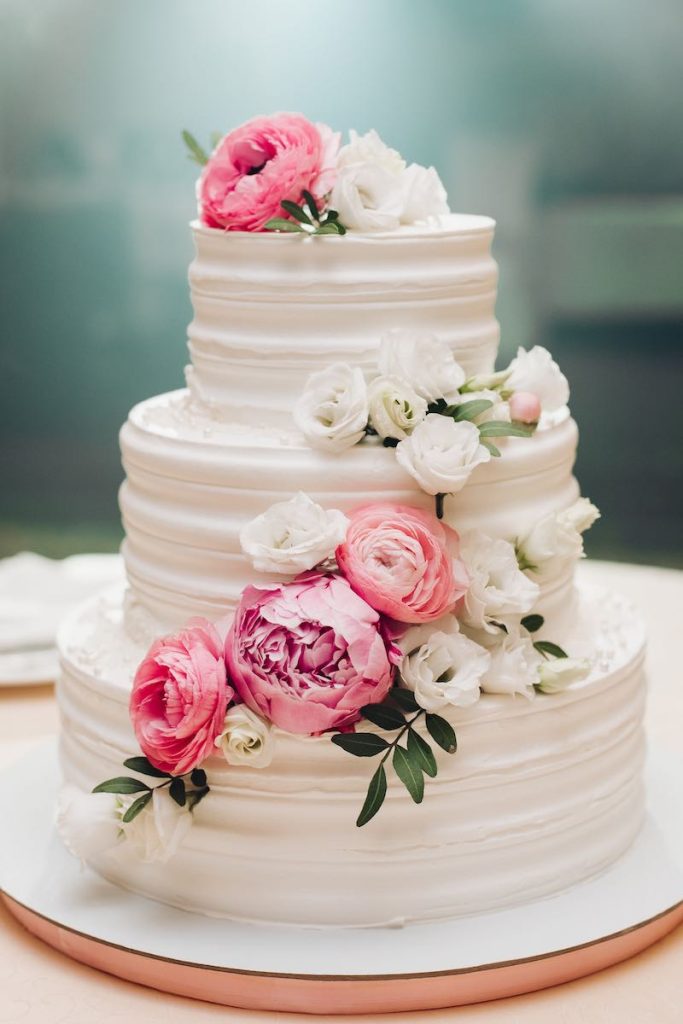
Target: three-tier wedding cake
<point>352,678</point>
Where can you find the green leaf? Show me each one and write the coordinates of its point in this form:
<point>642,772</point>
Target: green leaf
<point>296,211</point>
<point>215,138</point>
<point>533,623</point>
<point>442,732</point>
<point>491,447</point>
<point>470,410</point>
<point>360,744</point>
<point>142,765</point>
<point>121,785</point>
<point>196,152</point>
<point>331,215</point>
<point>198,777</point>
<point>311,204</point>
<point>422,753</point>
<point>374,799</point>
<point>177,791</point>
<point>137,806</point>
<point>383,716</point>
<point>404,698</point>
<point>500,428</point>
<point>330,228</point>
<point>409,772</point>
<point>546,647</point>
<point>196,796</point>
<point>282,224</point>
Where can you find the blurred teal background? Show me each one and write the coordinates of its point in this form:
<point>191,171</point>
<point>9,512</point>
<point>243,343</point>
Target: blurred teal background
<point>563,120</point>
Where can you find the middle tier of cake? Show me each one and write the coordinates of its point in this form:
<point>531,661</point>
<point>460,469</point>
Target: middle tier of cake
<point>193,482</point>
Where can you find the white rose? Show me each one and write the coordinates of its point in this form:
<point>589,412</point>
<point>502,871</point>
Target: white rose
<point>158,830</point>
<point>498,587</point>
<point>424,362</point>
<point>369,193</point>
<point>558,673</point>
<point>442,666</point>
<point>556,540</point>
<point>370,149</point>
<point>514,666</point>
<point>499,409</point>
<point>88,823</point>
<point>537,371</point>
<point>440,454</point>
<point>332,413</point>
<point>246,738</point>
<point>395,409</point>
<point>423,194</point>
<point>292,536</point>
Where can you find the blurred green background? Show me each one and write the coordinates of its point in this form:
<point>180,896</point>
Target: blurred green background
<point>563,120</point>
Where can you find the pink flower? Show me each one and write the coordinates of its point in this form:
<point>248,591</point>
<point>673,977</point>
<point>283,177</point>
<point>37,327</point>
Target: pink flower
<point>180,696</point>
<point>403,562</point>
<point>266,160</point>
<point>307,655</point>
<point>525,407</point>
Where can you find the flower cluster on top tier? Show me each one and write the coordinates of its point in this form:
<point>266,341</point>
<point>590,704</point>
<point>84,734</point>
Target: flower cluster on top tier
<point>386,615</point>
<point>440,423</point>
<point>285,173</point>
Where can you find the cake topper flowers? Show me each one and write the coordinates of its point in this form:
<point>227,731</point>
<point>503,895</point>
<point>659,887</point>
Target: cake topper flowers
<point>283,173</point>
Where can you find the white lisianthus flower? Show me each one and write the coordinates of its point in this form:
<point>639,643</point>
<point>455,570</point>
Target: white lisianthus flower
<point>292,536</point>
<point>332,413</point>
<point>246,738</point>
<point>556,540</point>
<point>557,673</point>
<point>441,665</point>
<point>369,191</point>
<point>441,454</point>
<point>423,194</point>
<point>499,410</point>
<point>395,409</point>
<point>498,588</point>
<point>514,666</point>
<point>536,371</point>
<point>423,361</point>
<point>88,823</point>
<point>158,830</point>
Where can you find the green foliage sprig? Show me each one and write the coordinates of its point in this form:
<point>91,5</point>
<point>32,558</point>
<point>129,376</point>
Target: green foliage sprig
<point>177,786</point>
<point>307,219</point>
<point>532,623</point>
<point>412,761</point>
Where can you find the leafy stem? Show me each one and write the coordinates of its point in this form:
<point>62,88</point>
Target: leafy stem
<point>177,786</point>
<point>305,218</point>
<point>411,762</point>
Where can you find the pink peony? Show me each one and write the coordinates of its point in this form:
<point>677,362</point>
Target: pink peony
<point>307,655</point>
<point>525,407</point>
<point>403,562</point>
<point>266,160</point>
<point>180,696</point>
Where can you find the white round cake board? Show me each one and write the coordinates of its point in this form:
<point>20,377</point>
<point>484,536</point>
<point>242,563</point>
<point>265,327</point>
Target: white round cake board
<point>614,915</point>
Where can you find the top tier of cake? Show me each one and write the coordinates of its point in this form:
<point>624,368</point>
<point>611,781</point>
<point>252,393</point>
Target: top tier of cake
<point>269,309</point>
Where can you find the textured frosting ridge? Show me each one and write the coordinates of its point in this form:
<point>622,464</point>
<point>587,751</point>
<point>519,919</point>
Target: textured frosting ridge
<point>269,310</point>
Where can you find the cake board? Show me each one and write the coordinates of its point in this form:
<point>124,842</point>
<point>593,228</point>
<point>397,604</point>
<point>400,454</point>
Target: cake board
<point>603,921</point>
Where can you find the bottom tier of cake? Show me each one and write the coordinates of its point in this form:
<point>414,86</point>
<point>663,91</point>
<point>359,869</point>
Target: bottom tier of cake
<point>541,794</point>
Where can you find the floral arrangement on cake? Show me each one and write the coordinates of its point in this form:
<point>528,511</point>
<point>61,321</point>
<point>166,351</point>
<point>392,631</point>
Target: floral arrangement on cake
<point>378,624</point>
<point>284,173</point>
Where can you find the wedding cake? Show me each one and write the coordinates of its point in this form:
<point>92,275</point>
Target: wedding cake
<point>352,680</point>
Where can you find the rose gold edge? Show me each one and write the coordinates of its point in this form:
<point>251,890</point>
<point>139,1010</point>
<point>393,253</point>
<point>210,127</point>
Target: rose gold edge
<point>357,978</point>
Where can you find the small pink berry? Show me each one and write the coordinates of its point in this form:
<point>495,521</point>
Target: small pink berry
<point>525,407</point>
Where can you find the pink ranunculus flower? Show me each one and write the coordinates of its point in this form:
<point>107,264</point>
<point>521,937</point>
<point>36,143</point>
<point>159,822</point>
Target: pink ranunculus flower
<point>308,654</point>
<point>403,562</point>
<point>180,696</point>
<point>525,407</point>
<point>259,164</point>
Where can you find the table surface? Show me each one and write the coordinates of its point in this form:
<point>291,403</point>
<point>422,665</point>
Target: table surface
<point>39,984</point>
